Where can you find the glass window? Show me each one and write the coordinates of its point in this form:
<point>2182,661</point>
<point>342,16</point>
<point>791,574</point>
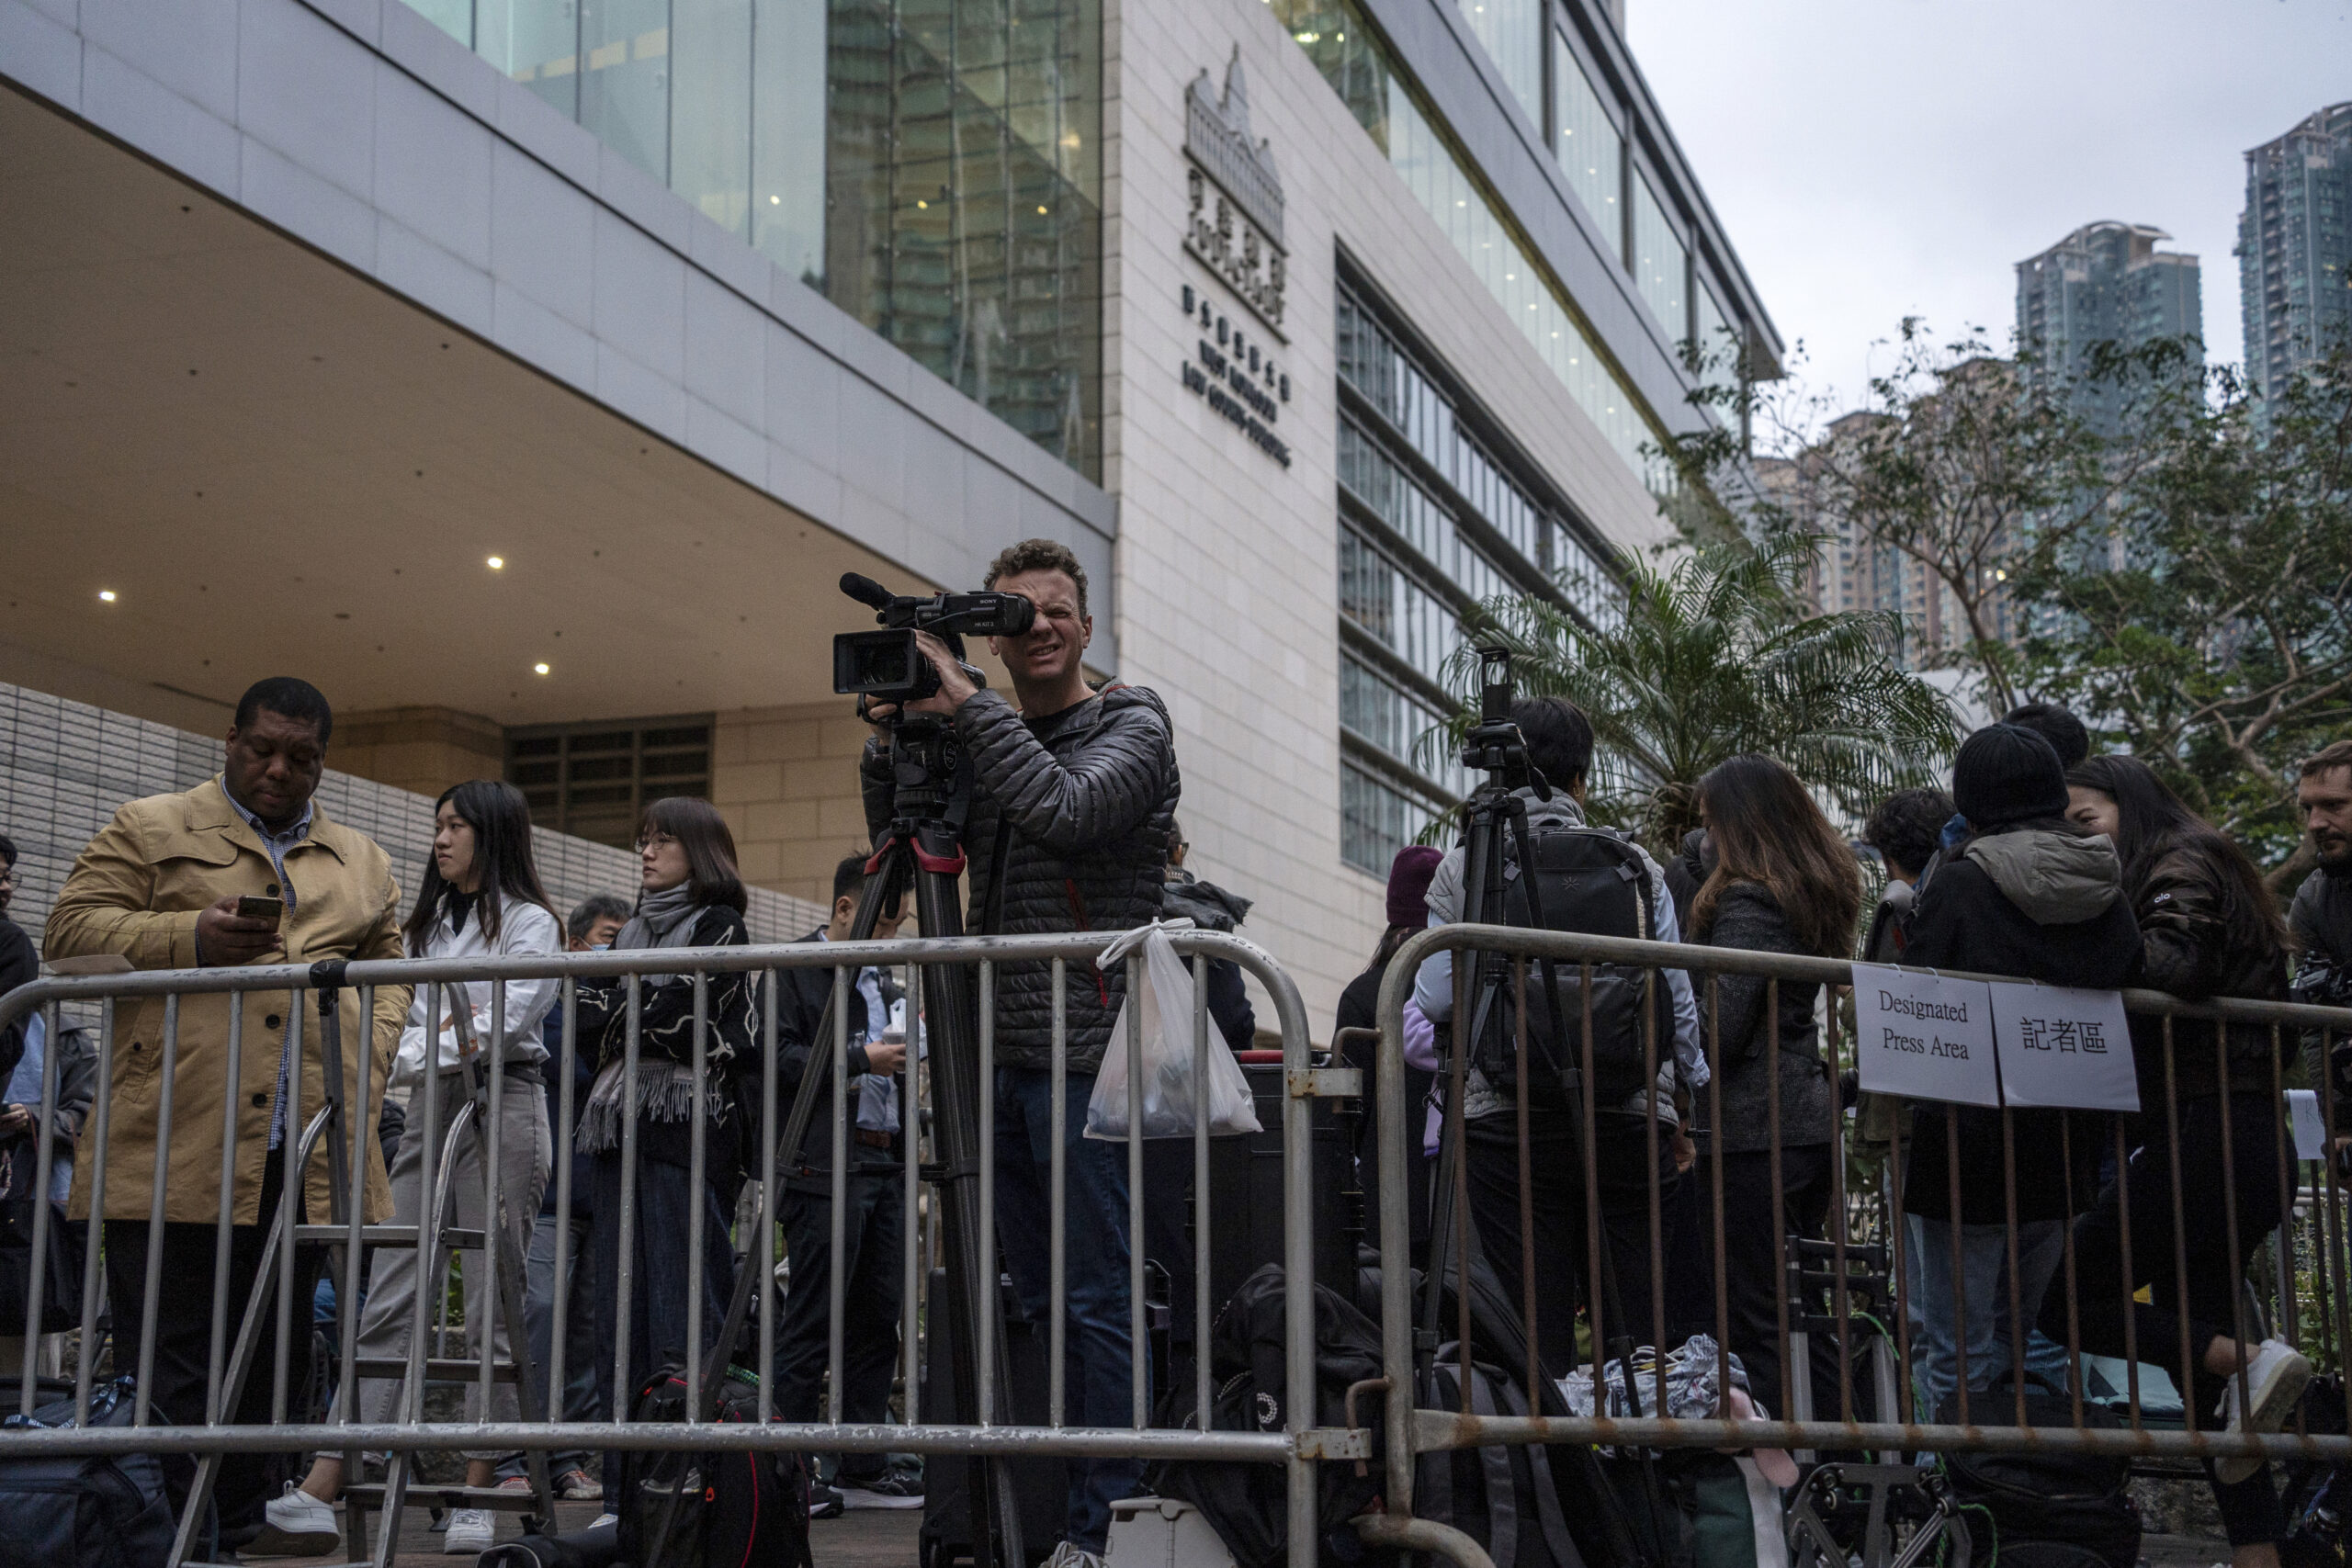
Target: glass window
<point>1661,263</point>
<point>1591,152</point>
<point>1335,39</point>
<point>624,79</point>
<point>594,779</point>
<point>1718,346</point>
<point>789,135</point>
<point>711,124</point>
<point>1377,710</point>
<point>537,42</point>
<point>1512,32</point>
<point>1393,609</point>
<point>1377,818</point>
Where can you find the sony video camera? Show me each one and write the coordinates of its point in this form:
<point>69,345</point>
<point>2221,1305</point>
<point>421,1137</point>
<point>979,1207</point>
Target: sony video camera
<point>886,666</point>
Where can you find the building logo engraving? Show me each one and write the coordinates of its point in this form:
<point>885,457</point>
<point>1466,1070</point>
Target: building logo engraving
<point>1235,226</point>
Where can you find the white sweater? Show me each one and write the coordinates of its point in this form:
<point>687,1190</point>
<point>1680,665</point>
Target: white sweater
<point>522,928</point>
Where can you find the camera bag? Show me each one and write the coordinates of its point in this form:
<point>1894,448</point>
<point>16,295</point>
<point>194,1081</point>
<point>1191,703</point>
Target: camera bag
<point>1592,881</point>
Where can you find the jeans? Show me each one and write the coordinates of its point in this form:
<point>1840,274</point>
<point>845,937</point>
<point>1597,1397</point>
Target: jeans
<point>873,1243</point>
<point>1984,1255</point>
<point>1100,1349</point>
<point>576,1401</point>
<point>1557,1202</point>
<point>2250,1510</point>
<point>658,1305</point>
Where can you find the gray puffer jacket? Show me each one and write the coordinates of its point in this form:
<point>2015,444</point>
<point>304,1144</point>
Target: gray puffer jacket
<point>1081,805</point>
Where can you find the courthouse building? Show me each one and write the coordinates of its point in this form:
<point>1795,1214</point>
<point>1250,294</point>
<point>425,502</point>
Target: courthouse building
<point>525,372</point>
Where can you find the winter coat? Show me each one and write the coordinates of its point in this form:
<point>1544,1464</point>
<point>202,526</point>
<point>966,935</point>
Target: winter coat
<point>2040,902</point>
<point>666,1029</point>
<point>136,890</point>
<point>1747,916</point>
<point>801,1032</point>
<point>2183,906</point>
<point>2321,922</point>
<point>1211,908</point>
<point>1071,819</point>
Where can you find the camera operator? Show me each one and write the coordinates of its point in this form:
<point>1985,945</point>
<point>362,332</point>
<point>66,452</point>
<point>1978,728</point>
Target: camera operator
<point>1072,813</point>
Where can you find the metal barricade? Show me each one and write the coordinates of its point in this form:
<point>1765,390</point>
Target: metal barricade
<point>342,1432</point>
<point>2303,1287</point>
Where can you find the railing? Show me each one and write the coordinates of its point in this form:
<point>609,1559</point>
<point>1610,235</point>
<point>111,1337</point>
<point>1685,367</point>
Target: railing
<point>927,961</point>
<point>2309,1261</point>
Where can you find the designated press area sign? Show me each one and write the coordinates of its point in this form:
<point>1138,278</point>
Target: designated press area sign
<point>1925,1037</point>
<point>2063,1048</point>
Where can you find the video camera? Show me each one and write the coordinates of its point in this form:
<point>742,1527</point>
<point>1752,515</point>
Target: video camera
<point>1494,745</point>
<point>886,666</point>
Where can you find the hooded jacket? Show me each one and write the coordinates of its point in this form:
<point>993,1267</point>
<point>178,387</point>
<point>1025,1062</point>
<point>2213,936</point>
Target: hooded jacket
<point>2038,901</point>
<point>1213,909</point>
<point>1071,817</point>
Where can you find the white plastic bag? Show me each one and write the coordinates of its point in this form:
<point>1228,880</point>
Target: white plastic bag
<point>1167,1062</point>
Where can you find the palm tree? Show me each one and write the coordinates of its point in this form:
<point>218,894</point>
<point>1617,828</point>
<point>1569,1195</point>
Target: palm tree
<point>1717,656</point>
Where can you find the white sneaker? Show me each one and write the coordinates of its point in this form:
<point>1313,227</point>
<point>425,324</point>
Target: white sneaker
<point>295,1525</point>
<point>471,1532</point>
<point>1066,1555</point>
<point>601,1520</point>
<point>2273,1380</point>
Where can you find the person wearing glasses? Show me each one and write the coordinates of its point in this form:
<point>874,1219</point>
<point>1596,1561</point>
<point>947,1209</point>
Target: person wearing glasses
<point>692,896</point>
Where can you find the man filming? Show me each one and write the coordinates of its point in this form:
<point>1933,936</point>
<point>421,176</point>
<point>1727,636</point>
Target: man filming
<point>1071,817</point>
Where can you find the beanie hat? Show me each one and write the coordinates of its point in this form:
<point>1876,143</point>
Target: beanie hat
<point>2005,773</point>
<point>1408,884</point>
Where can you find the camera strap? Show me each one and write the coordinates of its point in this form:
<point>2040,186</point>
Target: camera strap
<point>992,918</point>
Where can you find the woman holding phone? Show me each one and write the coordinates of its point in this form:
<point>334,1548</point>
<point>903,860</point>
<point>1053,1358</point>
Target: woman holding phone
<point>692,896</point>
<point>479,894</point>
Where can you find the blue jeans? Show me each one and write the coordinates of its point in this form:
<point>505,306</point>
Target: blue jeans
<point>1984,1252</point>
<point>1100,1352</point>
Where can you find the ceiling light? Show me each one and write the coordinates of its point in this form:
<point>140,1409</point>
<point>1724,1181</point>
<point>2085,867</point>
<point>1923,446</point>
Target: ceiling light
<point>105,595</point>
<point>540,669</point>
<point>498,563</point>
<point>1041,211</point>
<point>920,202</point>
<point>775,201</point>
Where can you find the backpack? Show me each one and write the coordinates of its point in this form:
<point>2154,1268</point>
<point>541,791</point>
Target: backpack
<point>1247,1505</point>
<point>2053,1510</point>
<point>715,1509</point>
<point>87,1511</point>
<point>1592,881</point>
<point>1505,1498</point>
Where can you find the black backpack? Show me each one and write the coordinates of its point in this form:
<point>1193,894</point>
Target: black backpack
<point>1506,1498</point>
<point>2052,1510</point>
<point>1247,1504</point>
<point>717,1508</point>
<point>1592,881</point>
<point>87,1510</point>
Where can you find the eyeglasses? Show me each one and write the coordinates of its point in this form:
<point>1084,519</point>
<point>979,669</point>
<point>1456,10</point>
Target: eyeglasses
<point>655,841</point>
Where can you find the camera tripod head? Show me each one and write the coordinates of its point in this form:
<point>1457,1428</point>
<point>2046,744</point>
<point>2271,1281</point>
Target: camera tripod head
<point>1494,746</point>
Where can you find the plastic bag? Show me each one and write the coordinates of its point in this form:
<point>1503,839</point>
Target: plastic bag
<point>1168,1060</point>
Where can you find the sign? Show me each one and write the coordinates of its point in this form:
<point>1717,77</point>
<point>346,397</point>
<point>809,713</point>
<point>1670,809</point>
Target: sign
<point>2310,1132</point>
<point>1236,377</point>
<point>2061,1048</point>
<point>1234,219</point>
<point>1925,1037</point>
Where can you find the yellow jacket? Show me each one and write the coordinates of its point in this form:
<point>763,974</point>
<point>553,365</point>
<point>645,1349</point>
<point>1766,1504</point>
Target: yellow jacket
<point>136,890</point>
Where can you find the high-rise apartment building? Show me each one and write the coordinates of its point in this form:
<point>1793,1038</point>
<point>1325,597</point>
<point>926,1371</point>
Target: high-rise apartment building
<point>525,373</point>
<point>2294,247</point>
<point>2104,283</point>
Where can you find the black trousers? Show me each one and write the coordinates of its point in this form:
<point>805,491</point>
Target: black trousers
<point>1556,1195</point>
<point>873,1247</point>
<point>1750,1264</point>
<point>2250,1511</point>
<point>183,1346</point>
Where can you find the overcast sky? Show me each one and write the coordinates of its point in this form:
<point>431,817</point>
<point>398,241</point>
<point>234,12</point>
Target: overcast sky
<point>1873,159</point>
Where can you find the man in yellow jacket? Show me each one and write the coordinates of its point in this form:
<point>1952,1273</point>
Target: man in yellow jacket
<point>160,887</point>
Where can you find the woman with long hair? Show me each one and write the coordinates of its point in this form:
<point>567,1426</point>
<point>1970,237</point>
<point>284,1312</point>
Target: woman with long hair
<point>2208,927</point>
<point>1783,881</point>
<point>692,896</point>
<point>479,894</point>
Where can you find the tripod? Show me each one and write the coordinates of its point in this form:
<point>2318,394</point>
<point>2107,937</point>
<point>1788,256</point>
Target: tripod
<point>1495,809</point>
<point>922,847</point>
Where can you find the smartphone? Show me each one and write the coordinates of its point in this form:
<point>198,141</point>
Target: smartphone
<point>255,908</point>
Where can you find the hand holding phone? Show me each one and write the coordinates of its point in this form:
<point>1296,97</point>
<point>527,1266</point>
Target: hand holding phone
<point>226,934</point>
<point>252,906</point>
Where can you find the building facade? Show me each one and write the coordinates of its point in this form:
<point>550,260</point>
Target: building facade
<point>526,373</point>
<point>2294,247</point>
<point>2105,283</point>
